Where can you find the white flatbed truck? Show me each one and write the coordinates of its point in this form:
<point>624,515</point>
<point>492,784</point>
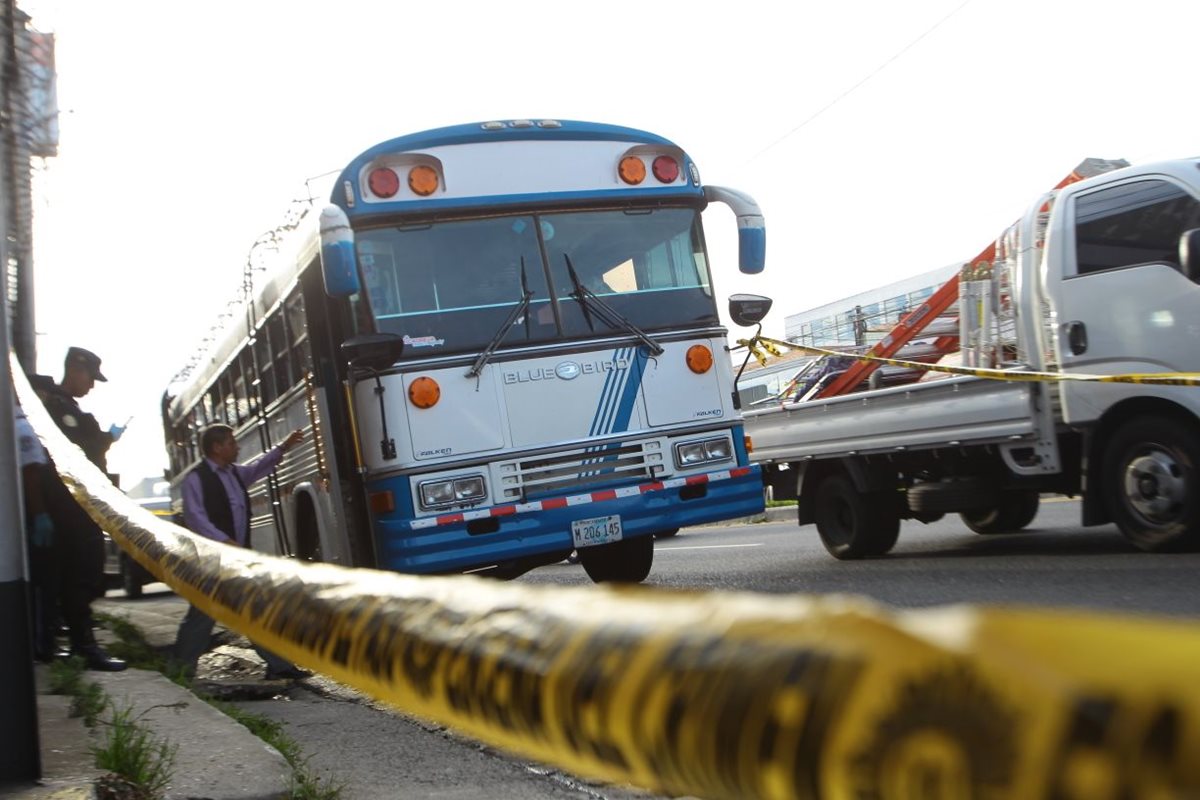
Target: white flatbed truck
<point>1098,278</point>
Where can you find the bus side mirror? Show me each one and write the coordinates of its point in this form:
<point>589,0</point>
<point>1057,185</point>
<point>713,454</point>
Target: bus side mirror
<point>372,351</point>
<point>752,249</point>
<point>338,266</point>
<point>752,230</point>
<point>1189,254</point>
<point>748,309</point>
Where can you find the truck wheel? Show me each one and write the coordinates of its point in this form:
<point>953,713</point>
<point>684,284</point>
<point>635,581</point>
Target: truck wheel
<point>1151,483</point>
<point>852,524</point>
<point>626,561</point>
<point>1015,510</point>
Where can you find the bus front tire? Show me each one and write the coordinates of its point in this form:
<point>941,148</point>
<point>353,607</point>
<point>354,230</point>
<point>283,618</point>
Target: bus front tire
<point>626,561</point>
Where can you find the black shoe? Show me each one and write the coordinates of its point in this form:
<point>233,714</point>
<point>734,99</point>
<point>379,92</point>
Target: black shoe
<point>95,658</point>
<point>47,655</point>
<point>289,674</point>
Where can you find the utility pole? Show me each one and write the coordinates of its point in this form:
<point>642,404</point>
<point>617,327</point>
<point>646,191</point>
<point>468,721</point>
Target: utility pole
<point>20,757</point>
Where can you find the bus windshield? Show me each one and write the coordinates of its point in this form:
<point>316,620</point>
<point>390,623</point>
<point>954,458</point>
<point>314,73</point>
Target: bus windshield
<point>447,287</point>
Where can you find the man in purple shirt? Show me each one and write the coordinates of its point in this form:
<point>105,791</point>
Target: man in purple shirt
<point>216,505</point>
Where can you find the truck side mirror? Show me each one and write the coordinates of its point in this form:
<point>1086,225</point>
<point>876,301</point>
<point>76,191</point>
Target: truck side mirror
<point>1189,254</point>
<point>748,309</point>
<point>338,267</point>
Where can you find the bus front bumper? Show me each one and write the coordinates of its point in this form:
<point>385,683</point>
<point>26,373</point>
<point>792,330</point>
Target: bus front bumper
<point>479,538</point>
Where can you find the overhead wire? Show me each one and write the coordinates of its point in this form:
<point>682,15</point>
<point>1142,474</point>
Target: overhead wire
<point>858,85</point>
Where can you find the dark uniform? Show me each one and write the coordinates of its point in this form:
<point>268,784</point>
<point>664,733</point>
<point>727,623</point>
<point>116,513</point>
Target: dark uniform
<point>78,540</point>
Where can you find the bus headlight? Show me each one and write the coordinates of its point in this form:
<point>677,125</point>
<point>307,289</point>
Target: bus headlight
<point>437,494</point>
<point>709,451</point>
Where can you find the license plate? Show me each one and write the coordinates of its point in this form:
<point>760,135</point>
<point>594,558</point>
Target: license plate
<point>597,530</point>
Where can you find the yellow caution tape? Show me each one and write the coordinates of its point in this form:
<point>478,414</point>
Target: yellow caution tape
<point>718,695</point>
<point>1158,378</point>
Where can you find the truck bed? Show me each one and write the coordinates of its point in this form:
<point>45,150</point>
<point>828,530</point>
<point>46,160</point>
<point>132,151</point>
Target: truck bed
<point>949,411</point>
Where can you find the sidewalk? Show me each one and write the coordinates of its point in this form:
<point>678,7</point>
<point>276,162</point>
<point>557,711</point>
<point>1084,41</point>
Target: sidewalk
<point>217,758</point>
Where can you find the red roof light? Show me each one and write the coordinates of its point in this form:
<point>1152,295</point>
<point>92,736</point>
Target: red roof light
<point>383,182</point>
<point>666,169</point>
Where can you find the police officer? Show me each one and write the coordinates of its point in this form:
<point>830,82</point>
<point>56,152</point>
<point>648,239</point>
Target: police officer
<point>78,541</point>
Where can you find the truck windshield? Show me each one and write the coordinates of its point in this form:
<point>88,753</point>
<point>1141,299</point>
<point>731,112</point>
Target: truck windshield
<point>446,287</point>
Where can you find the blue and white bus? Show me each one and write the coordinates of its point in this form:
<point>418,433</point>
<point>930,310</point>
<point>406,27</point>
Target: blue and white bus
<point>504,340</point>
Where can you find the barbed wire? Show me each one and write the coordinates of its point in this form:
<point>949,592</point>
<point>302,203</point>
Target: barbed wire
<point>257,261</point>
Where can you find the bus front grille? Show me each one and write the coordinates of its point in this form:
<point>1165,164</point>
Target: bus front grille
<point>577,470</point>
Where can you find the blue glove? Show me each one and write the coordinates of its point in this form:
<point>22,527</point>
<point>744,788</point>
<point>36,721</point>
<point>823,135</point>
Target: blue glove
<point>115,431</point>
<point>42,531</point>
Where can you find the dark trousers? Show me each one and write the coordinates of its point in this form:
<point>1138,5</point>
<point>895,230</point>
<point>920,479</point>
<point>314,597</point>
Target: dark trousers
<point>192,641</point>
<point>79,557</point>
<point>44,600</point>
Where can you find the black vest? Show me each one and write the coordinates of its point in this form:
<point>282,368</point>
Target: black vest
<point>216,502</point>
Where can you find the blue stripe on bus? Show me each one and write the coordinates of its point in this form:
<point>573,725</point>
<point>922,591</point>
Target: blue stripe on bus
<point>633,385</point>
<point>609,397</point>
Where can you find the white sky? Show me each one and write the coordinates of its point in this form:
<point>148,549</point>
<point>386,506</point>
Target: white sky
<point>881,139</point>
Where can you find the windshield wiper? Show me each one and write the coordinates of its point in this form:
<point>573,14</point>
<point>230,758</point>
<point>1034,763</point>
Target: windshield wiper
<point>522,305</point>
<point>590,302</point>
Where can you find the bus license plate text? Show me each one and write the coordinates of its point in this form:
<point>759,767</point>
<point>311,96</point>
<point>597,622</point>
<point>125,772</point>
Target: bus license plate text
<point>597,530</point>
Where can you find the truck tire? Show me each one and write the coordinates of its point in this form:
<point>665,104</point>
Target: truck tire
<point>1014,511</point>
<point>1152,483</point>
<point>852,524</point>
<point>626,561</point>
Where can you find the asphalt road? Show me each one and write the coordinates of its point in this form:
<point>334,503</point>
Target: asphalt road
<point>1055,562</point>
<point>375,752</point>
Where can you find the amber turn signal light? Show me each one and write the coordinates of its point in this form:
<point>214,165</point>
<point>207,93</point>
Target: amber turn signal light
<point>699,359</point>
<point>423,180</point>
<point>424,392</point>
<point>632,170</point>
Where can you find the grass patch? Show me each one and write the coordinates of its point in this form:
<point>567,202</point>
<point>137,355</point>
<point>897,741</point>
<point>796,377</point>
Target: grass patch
<point>66,676</point>
<point>87,697</point>
<point>89,703</point>
<point>780,503</point>
<point>133,755</point>
<point>306,785</point>
<point>139,766</point>
<point>132,646</point>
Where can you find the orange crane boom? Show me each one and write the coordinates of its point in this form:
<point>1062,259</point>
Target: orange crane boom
<point>915,321</point>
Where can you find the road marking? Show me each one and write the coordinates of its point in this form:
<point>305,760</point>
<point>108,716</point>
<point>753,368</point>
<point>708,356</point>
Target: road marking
<point>707,547</point>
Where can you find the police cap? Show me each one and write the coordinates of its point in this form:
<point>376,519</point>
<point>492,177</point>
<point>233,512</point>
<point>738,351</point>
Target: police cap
<point>79,357</point>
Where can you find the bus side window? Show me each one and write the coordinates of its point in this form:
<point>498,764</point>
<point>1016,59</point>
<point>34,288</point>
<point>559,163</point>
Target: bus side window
<point>249,394</point>
<point>266,374</point>
<point>299,356</point>
<point>279,349</point>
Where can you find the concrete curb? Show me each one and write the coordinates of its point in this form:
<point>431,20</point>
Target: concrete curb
<point>773,514</point>
<point>217,758</point>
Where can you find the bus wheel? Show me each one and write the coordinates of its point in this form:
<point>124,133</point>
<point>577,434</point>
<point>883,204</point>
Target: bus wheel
<point>667,534</point>
<point>626,561</point>
<point>852,524</point>
<point>1013,512</point>
<point>130,577</point>
<point>1152,485</point>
